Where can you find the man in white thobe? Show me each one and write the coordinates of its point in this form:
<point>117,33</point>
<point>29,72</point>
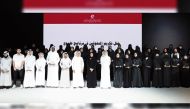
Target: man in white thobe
<point>5,75</point>
<point>65,64</point>
<point>52,61</point>
<point>78,68</point>
<point>105,62</point>
<point>40,70</point>
<point>30,60</point>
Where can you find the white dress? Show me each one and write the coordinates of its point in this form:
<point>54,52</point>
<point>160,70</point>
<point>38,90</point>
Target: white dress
<point>5,75</point>
<point>78,66</point>
<point>52,76</point>
<point>40,72</point>
<point>65,64</point>
<point>105,72</point>
<point>29,79</point>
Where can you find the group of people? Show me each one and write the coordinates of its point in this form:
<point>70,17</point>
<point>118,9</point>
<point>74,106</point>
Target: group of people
<point>71,67</point>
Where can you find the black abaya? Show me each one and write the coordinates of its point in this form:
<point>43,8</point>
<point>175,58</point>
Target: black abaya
<point>118,73</point>
<point>91,75</point>
<point>127,76</point>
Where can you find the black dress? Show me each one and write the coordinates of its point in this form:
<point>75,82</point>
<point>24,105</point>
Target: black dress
<point>91,75</point>
<point>118,72</point>
<point>127,76</point>
<point>111,54</point>
<point>157,74</point>
<point>98,67</point>
<point>147,65</point>
<point>175,78</point>
<point>166,70</point>
<point>136,73</point>
<point>185,73</point>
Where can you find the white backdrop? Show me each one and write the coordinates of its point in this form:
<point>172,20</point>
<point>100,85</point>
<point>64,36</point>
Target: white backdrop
<point>124,33</point>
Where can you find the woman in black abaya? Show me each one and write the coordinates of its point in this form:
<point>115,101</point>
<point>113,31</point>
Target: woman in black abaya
<point>91,71</point>
<point>118,71</point>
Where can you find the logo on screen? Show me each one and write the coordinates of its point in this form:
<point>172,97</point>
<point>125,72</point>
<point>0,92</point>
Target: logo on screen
<point>92,19</point>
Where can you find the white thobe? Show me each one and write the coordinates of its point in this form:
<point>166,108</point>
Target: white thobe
<point>5,75</point>
<point>78,67</point>
<point>105,72</point>
<point>52,76</point>
<point>65,64</point>
<point>40,72</point>
<point>29,79</point>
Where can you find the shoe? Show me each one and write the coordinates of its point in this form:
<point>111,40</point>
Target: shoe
<point>21,86</point>
<point>14,86</point>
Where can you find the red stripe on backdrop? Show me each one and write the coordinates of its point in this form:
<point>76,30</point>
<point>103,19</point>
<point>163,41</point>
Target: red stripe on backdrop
<point>100,3</point>
<point>98,18</point>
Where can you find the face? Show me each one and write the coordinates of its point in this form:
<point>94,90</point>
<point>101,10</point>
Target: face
<point>149,50</point>
<point>104,53</point>
<point>18,51</point>
<point>30,52</point>
<point>165,50</point>
<point>37,50</point>
<point>102,47</point>
<point>119,51</point>
<point>5,54</point>
<point>78,54</point>
<point>110,47</point>
<point>65,55</point>
<point>41,55</point>
<point>185,57</point>
<point>53,49</point>
<point>126,56</point>
<point>135,54</point>
<point>91,54</point>
<point>180,47</point>
<point>81,50</point>
<point>33,45</point>
<point>72,49</point>
<point>175,50</point>
<point>117,55</point>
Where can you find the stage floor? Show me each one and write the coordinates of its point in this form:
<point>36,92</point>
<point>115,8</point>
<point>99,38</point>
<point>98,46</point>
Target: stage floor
<point>97,95</point>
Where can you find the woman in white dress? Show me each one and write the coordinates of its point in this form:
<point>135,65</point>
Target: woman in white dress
<point>78,67</point>
<point>5,74</point>
<point>65,64</point>
<point>105,62</point>
<point>52,73</point>
<point>40,70</point>
<point>29,79</point>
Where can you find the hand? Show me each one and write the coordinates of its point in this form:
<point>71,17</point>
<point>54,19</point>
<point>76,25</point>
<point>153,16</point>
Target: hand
<point>91,69</point>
